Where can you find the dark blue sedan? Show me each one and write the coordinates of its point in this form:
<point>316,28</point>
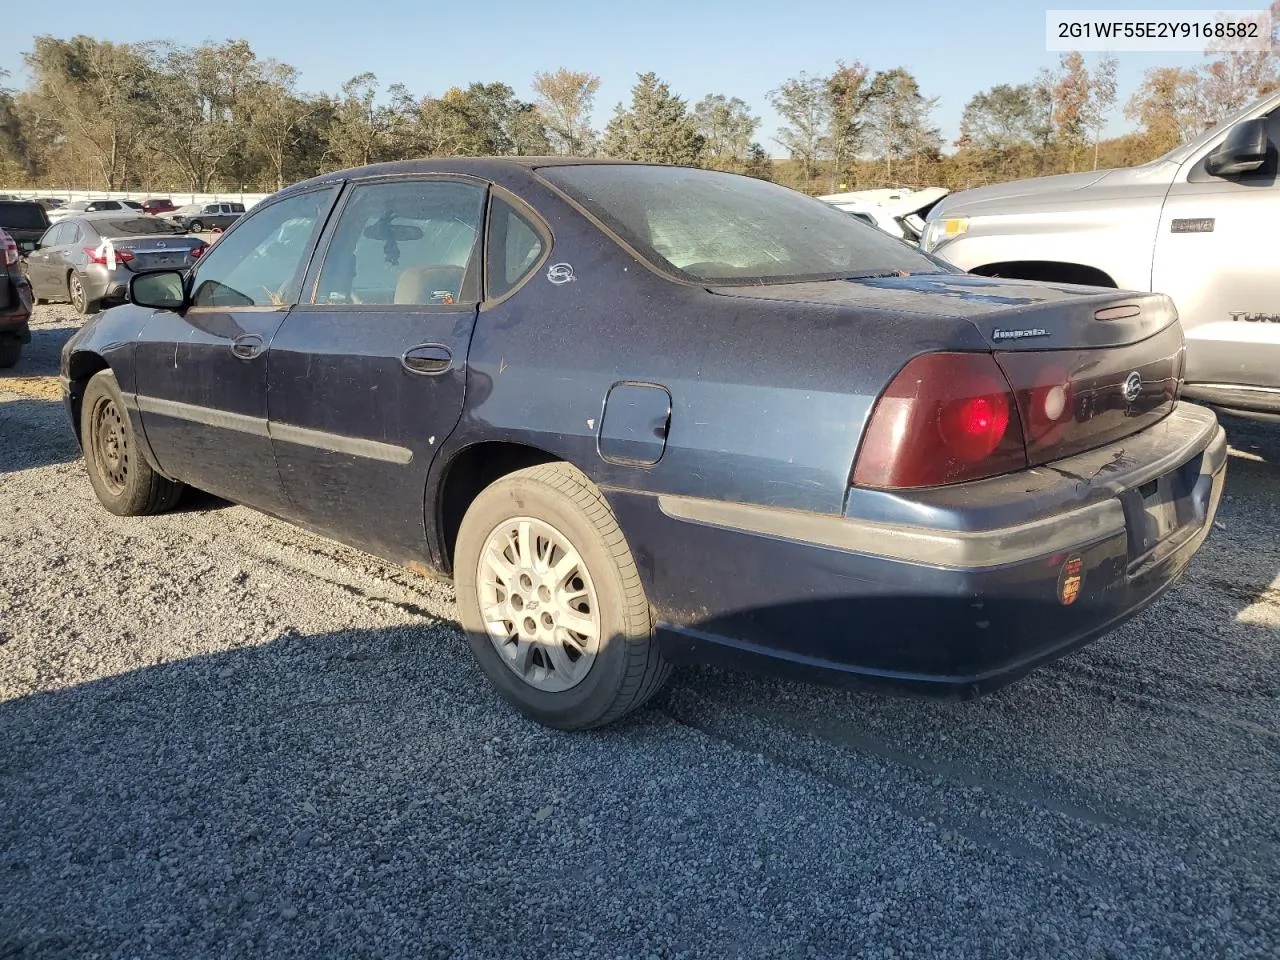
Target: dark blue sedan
<point>641,414</point>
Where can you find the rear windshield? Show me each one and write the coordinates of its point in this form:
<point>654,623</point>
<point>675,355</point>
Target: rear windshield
<point>134,228</point>
<point>710,226</point>
<point>23,216</point>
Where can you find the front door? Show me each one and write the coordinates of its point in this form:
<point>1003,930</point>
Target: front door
<point>1215,257</point>
<point>40,263</point>
<point>366,382</point>
<point>202,374</point>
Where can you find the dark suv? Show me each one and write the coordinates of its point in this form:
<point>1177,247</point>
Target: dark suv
<point>25,221</point>
<point>15,303</point>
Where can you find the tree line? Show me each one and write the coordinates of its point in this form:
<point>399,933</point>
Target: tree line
<point>161,117</point>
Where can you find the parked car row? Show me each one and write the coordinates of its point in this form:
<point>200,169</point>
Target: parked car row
<point>195,217</point>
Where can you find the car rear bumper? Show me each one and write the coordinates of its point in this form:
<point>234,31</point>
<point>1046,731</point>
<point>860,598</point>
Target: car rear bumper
<point>978,589</point>
<point>110,286</point>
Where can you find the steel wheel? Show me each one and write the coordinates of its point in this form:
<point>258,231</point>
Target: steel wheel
<point>109,445</point>
<point>76,291</point>
<point>538,604</point>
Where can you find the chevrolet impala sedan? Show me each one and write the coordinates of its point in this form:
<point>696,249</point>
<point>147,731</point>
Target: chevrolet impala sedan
<point>643,414</point>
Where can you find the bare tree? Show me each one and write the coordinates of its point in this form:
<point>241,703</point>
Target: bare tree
<point>802,102</point>
<point>1102,98</point>
<point>564,100</point>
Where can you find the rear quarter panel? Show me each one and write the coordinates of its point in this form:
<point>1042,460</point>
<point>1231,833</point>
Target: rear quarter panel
<point>768,399</point>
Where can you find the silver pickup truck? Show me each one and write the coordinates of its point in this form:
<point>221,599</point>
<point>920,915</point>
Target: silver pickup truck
<point>1196,224</point>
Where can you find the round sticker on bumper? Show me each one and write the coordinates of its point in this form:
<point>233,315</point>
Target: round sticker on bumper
<point>1070,580</point>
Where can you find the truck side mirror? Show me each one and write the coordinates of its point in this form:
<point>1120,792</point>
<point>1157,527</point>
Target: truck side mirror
<point>1244,150</point>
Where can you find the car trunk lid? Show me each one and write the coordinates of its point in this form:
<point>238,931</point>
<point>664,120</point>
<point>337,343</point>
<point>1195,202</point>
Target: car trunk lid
<point>1106,363</point>
<point>158,252</point>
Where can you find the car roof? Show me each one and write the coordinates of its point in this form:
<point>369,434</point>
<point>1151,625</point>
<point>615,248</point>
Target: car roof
<point>490,168</point>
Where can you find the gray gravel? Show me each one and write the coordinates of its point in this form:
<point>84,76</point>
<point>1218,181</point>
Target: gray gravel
<point>220,736</point>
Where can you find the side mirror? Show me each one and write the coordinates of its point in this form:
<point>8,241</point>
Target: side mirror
<point>1244,150</point>
<point>162,290</point>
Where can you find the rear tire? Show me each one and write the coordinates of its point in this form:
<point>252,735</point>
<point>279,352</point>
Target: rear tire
<point>119,473</point>
<point>78,297</point>
<point>563,560</point>
<point>10,351</point>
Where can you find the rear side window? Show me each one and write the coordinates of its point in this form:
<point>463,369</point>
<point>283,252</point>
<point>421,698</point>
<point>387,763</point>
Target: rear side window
<point>404,242</point>
<point>704,225</point>
<point>52,237</point>
<point>23,216</point>
<point>514,248</point>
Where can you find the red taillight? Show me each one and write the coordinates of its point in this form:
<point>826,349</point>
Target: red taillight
<point>945,418</point>
<point>8,249</point>
<point>99,255</point>
<point>198,252</point>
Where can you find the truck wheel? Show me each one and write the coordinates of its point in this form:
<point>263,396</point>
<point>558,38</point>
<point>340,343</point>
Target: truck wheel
<point>551,601</point>
<point>196,226</point>
<point>10,351</point>
<point>120,475</point>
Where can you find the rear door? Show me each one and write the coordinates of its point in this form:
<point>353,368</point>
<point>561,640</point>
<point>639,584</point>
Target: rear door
<point>1214,256</point>
<point>367,380</point>
<point>202,374</point>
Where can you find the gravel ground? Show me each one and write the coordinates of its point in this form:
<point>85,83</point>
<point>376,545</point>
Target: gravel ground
<point>220,736</point>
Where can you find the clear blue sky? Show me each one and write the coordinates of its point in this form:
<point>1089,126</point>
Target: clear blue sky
<point>742,48</point>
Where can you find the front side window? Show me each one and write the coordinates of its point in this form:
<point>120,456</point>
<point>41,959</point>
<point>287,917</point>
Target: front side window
<point>53,235</point>
<point>514,247</point>
<point>260,263</point>
<point>404,242</point>
<point>709,226</point>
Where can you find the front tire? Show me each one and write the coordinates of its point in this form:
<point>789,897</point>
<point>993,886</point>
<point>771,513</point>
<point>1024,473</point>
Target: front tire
<point>118,472</point>
<point>10,351</point>
<point>196,226</point>
<point>552,603</point>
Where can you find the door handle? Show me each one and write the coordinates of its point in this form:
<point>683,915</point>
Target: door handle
<point>430,359</point>
<point>247,346</point>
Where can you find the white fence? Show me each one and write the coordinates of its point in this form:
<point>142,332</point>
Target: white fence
<point>179,199</point>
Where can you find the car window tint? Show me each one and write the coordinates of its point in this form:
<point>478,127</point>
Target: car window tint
<point>514,248</point>
<point>406,242</point>
<point>706,225</point>
<point>260,262</point>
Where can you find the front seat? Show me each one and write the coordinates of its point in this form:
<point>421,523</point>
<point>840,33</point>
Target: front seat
<point>425,285</point>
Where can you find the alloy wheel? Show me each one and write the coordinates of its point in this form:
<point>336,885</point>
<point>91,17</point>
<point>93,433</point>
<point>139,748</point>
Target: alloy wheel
<point>76,289</point>
<point>538,604</point>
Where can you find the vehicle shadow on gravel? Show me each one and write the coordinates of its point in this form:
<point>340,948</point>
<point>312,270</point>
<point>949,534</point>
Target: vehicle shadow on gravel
<point>40,357</point>
<point>34,433</point>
